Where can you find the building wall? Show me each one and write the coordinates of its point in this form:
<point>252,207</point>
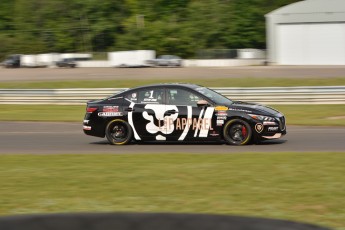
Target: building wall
<point>309,12</point>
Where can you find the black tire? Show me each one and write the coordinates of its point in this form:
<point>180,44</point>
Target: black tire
<point>237,132</point>
<point>118,132</point>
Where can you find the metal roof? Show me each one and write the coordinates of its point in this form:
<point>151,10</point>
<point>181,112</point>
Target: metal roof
<point>311,6</point>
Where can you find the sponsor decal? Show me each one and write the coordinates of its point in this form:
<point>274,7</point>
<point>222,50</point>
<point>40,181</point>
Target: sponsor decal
<point>195,124</point>
<point>214,134</point>
<point>259,127</point>
<point>272,128</point>
<point>110,114</point>
<point>86,122</point>
<point>134,97</point>
<point>221,113</point>
<point>240,110</point>
<point>221,118</point>
<point>269,123</point>
<point>220,122</point>
<point>149,100</point>
<point>219,108</point>
<point>110,109</point>
<point>161,123</point>
<point>86,127</point>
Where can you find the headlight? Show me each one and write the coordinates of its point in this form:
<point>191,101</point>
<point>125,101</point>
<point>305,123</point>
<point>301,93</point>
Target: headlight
<point>261,117</point>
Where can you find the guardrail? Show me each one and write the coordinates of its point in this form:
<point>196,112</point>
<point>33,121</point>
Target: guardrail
<point>265,95</point>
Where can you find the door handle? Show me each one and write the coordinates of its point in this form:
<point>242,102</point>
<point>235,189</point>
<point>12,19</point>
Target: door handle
<point>129,109</point>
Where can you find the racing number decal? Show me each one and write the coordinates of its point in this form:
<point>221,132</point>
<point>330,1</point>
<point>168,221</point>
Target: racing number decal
<point>151,94</point>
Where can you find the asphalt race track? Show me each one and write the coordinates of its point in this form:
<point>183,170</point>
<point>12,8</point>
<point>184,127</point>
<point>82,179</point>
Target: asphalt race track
<point>180,74</point>
<point>57,138</point>
<point>67,138</point>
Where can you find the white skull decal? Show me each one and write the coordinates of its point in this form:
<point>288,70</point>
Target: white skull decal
<point>159,111</point>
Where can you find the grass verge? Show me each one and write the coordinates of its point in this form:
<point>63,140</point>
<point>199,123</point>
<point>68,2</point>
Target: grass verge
<point>318,115</point>
<point>305,187</point>
<point>211,82</point>
<point>42,112</point>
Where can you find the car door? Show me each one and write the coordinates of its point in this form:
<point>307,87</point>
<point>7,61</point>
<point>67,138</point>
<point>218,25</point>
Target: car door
<point>146,113</point>
<point>193,122</point>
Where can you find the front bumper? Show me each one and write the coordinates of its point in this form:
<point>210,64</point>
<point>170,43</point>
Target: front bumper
<point>270,129</point>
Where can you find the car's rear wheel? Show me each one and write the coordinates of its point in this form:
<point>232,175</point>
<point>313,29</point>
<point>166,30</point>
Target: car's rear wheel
<point>118,132</point>
<point>237,132</point>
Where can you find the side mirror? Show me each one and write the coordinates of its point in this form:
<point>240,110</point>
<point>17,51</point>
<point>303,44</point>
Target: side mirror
<point>201,103</point>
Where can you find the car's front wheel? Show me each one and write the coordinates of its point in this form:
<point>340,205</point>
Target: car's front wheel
<point>237,132</point>
<point>118,132</point>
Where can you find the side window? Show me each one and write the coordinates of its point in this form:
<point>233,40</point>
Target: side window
<point>147,96</point>
<point>133,97</point>
<point>182,97</point>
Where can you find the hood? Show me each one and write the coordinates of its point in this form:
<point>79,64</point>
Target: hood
<point>253,108</point>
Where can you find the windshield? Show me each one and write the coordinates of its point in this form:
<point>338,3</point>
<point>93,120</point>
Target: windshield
<point>214,96</point>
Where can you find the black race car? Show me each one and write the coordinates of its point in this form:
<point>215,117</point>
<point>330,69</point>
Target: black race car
<point>180,112</point>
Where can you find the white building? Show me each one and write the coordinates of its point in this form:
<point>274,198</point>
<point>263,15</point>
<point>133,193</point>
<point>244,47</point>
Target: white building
<point>310,32</point>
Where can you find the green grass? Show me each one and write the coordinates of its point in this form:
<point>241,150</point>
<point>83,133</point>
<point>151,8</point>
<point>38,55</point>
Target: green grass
<point>307,187</point>
<point>319,115</point>
<point>42,112</point>
<point>211,82</point>
<point>316,115</point>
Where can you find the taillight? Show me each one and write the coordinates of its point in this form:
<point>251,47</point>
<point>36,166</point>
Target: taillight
<point>91,109</point>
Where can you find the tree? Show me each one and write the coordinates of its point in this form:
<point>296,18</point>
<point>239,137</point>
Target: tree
<point>179,27</point>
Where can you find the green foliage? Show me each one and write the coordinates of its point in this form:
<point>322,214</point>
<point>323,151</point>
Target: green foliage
<point>179,27</point>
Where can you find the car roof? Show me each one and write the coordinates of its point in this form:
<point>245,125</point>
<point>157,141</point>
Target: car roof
<point>185,85</point>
